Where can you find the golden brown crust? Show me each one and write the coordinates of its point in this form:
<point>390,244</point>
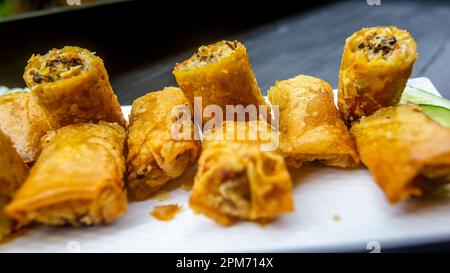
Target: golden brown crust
<point>85,97</point>
<point>154,156</point>
<point>310,126</point>
<point>405,151</point>
<point>369,81</point>
<point>7,226</point>
<point>13,173</point>
<point>225,78</point>
<point>25,122</point>
<point>12,169</point>
<point>237,181</point>
<point>78,178</point>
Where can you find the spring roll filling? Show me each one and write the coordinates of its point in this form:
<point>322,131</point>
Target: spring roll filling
<point>379,45</point>
<point>209,54</point>
<point>77,212</point>
<point>176,167</point>
<point>335,160</point>
<point>440,174</point>
<point>74,212</point>
<point>57,67</point>
<point>152,171</point>
<point>234,191</point>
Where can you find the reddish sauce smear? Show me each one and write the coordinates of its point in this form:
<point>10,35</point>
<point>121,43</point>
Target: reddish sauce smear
<point>165,212</point>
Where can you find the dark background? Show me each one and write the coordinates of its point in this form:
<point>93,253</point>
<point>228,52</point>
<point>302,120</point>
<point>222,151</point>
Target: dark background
<point>140,41</point>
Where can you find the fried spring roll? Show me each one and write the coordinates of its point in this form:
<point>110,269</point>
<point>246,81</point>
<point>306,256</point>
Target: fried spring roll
<point>375,67</point>
<point>12,169</point>
<point>310,126</point>
<point>25,122</point>
<point>72,85</point>
<point>78,179</point>
<point>220,74</point>
<point>236,180</point>
<point>154,155</point>
<point>407,153</point>
<point>12,174</point>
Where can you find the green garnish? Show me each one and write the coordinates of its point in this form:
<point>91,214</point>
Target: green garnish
<point>434,106</point>
<point>418,96</point>
<point>439,114</point>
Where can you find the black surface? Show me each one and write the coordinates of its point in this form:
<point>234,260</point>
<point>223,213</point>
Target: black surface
<point>291,262</point>
<point>140,42</point>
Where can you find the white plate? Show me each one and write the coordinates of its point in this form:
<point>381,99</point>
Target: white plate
<point>335,210</point>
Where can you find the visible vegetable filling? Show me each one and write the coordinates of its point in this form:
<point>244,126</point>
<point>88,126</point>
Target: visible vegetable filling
<point>235,193</point>
<point>58,67</point>
<point>210,54</point>
<point>379,44</point>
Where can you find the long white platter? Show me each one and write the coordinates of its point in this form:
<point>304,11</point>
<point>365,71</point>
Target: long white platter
<point>335,210</point>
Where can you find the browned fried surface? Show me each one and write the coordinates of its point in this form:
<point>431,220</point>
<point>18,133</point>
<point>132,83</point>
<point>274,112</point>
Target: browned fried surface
<point>406,152</point>
<point>310,126</point>
<point>237,181</point>
<point>79,96</point>
<point>221,75</point>
<point>7,226</point>
<point>13,173</point>
<point>12,169</point>
<point>165,212</point>
<point>154,155</point>
<point>376,65</point>
<point>25,122</point>
<point>78,178</point>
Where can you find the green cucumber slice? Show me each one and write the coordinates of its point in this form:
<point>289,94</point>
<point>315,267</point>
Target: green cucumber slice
<point>418,96</point>
<point>439,114</point>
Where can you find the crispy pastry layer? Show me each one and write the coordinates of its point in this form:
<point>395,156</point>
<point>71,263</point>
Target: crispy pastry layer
<point>310,126</point>
<point>13,173</point>
<point>155,156</point>
<point>7,226</point>
<point>77,180</point>
<point>12,169</point>
<point>25,122</point>
<point>406,152</point>
<point>375,67</point>
<point>72,85</point>
<point>237,181</point>
<point>220,74</point>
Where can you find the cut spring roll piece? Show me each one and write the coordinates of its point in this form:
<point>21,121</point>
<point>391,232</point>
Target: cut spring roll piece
<point>237,180</point>
<point>220,74</point>
<point>72,85</point>
<point>310,126</point>
<point>13,173</point>
<point>25,122</point>
<point>375,67</point>
<point>407,153</point>
<point>78,179</point>
<point>155,154</point>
